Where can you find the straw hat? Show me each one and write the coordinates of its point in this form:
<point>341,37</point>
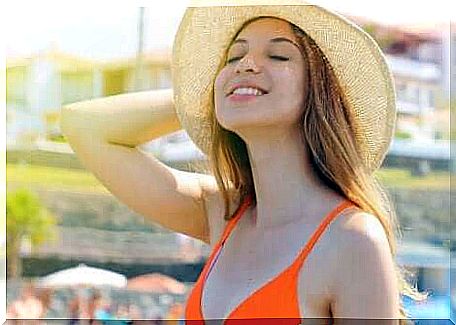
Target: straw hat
<point>208,27</point>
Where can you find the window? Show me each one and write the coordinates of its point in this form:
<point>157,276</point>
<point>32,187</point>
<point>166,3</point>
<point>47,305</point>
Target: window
<point>15,88</point>
<point>413,94</point>
<point>401,89</point>
<point>76,86</point>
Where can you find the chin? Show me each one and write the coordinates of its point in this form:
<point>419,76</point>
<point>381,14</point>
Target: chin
<point>235,122</point>
<point>236,116</point>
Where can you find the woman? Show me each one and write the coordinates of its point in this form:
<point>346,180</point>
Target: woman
<point>26,306</point>
<point>294,107</point>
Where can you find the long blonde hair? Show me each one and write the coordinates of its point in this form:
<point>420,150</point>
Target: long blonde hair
<point>333,153</point>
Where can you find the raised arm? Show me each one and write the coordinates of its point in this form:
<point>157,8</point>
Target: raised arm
<point>105,134</point>
<point>127,119</point>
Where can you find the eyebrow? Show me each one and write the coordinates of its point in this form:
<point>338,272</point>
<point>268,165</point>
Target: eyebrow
<point>273,40</point>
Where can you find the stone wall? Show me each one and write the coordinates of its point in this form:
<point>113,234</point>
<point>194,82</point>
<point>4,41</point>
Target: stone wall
<point>422,214</point>
<point>110,231</point>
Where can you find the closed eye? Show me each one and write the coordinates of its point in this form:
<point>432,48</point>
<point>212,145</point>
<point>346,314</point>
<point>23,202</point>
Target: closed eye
<point>281,58</point>
<point>232,60</point>
<point>276,57</point>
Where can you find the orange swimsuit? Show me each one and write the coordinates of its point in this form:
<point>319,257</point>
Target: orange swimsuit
<point>276,302</point>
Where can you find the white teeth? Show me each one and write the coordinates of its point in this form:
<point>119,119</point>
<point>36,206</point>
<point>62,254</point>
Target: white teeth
<point>248,91</point>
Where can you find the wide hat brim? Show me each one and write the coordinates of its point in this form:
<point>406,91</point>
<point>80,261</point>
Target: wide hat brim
<point>209,26</point>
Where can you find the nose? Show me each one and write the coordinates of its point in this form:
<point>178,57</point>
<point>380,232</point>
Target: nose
<point>247,64</point>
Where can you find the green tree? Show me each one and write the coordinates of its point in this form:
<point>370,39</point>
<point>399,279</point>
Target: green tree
<point>26,218</point>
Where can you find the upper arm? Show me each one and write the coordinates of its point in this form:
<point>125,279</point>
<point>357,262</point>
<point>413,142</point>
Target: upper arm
<point>170,197</point>
<point>365,283</point>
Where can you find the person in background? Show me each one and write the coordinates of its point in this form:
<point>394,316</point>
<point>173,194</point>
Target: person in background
<point>45,296</point>
<point>27,306</point>
<point>175,314</point>
<point>104,311</point>
<point>122,314</point>
<point>134,311</point>
<point>74,310</point>
<point>92,304</point>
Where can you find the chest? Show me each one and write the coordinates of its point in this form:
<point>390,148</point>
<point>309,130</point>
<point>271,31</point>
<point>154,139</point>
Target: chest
<point>248,262</point>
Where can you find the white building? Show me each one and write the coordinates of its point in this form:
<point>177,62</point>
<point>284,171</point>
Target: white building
<point>38,86</point>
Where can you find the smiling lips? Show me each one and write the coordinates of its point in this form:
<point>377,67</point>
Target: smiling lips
<point>245,93</point>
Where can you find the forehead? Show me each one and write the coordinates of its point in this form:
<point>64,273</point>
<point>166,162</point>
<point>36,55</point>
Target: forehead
<point>266,27</point>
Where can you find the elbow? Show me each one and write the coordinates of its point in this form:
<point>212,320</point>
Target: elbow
<point>71,121</point>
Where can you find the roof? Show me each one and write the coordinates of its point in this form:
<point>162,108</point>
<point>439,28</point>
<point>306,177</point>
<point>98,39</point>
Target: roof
<point>74,63</point>
<point>156,57</point>
<point>65,61</point>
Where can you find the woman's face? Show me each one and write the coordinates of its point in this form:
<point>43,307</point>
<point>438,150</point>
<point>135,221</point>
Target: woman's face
<point>264,56</point>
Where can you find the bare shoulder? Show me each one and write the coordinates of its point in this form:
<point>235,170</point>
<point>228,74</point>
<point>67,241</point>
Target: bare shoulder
<point>356,224</point>
<point>363,283</point>
<point>357,232</point>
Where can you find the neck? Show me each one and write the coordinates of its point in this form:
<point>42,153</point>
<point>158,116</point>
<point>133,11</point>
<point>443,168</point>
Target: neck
<point>284,181</point>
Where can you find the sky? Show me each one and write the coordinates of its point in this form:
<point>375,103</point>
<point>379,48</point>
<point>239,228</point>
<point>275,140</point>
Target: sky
<point>104,31</point>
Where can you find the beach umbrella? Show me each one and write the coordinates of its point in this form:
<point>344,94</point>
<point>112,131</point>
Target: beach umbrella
<point>156,283</point>
<point>83,275</point>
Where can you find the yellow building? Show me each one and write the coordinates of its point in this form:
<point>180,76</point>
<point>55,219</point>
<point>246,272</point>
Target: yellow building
<point>37,86</point>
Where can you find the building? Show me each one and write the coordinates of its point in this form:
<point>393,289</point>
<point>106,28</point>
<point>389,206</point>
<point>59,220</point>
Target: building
<point>39,85</point>
<point>418,58</point>
<point>119,76</point>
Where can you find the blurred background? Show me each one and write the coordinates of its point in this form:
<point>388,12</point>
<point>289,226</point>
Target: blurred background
<point>75,251</point>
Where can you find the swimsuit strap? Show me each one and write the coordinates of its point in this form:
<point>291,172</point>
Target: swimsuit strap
<point>345,204</point>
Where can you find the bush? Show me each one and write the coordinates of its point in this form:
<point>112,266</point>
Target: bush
<point>57,138</point>
<point>402,135</point>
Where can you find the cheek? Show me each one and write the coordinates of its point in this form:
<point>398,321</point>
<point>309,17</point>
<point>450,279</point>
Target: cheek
<point>290,84</point>
<point>219,95</point>
<point>220,82</point>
